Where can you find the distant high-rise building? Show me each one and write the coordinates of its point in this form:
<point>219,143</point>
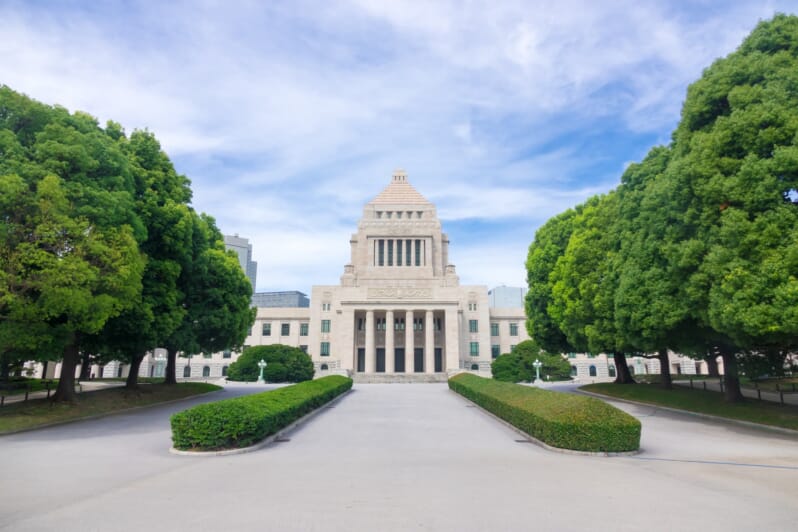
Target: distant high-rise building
<point>243,249</point>
<point>506,297</point>
<point>290,299</point>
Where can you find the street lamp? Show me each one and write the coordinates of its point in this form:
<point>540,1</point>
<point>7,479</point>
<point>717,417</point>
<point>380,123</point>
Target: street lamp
<point>537,364</point>
<point>262,366</point>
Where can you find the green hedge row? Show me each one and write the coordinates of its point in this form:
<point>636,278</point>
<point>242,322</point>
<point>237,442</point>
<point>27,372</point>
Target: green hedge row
<point>243,421</point>
<point>561,420</point>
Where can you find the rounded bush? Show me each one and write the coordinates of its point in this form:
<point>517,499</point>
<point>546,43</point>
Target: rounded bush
<point>284,364</point>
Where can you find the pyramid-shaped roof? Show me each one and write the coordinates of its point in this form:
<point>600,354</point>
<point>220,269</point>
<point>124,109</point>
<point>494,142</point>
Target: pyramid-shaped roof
<point>400,192</point>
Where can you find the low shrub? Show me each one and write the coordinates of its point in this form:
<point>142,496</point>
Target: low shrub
<point>243,421</point>
<point>561,420</point>
<point>284,363</point>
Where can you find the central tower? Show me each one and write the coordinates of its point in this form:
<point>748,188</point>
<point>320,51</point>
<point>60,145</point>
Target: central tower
<point>399,242</point>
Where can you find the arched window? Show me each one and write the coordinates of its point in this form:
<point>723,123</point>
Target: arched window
<point>592,371</point>
<point>475,367</point>
<point>187,371</point>
<point>573,371</point>
<point>324,367</point>
<point>611,368</point>
<point>206,371</point>
<point>224,371</point>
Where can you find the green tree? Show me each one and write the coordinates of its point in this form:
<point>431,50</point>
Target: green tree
<point>585,281</point>
<point>216,295</point>
<point>737,149</point>
<point>69,256</point>
<point>162,198</point>
<point>549,245</point>
<point>284,364</point>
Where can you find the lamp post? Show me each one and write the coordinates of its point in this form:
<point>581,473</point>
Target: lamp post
<point>537,364</point>
<point>262,366</point>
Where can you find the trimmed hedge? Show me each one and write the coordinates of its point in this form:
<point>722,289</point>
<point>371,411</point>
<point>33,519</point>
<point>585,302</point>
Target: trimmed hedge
<point>243,421</point>
<point>561,420</point>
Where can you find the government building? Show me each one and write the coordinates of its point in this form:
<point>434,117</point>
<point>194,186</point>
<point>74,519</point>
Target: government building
<point>400,307</point>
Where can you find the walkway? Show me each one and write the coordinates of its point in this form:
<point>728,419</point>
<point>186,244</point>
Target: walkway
<point>397,457</point>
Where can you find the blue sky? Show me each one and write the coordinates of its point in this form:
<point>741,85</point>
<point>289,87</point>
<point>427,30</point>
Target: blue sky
<point>289,116</point>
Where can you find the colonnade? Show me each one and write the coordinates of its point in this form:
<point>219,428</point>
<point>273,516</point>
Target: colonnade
<point>395,335</point>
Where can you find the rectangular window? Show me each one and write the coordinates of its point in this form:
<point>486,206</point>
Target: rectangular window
<point>512,348</point>
<point>571,355</point>
<point>407,250</point>
<point>304,348</point>
<point>437,322</point>
<point>399,324</point>
<point>398,252</point>
<point>474,349</point>
<point>303,329</point>
<point>494,329</point>
<point>227,354</point>
<point>325,349</point>
<point>418,252</point>
<point>381,252</point>
<point>285,329</point>
<point>390,252</point>
<point>494,351</point>
<point>418,324</point>
<point>206,355</point>
<point>472,306</point>
<point>325,326</point>
<point>473,326</point>
<point>267,329</point>
<point>326,307</point>
<point>513,329</point>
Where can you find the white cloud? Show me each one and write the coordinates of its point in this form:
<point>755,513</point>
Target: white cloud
<point>289,117</point>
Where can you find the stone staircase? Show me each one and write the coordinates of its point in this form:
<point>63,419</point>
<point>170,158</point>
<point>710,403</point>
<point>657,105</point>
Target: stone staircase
<point>398,378</point>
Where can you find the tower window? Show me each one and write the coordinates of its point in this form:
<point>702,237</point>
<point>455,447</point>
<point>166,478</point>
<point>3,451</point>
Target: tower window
<point>381,252</point>
<point>418,252</point>
<point>398,252</point>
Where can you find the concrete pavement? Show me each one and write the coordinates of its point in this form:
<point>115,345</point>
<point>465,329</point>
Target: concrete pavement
<point>397,457</point>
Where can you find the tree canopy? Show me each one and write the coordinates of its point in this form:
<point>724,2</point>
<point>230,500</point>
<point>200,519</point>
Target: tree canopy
<point>696,249</point>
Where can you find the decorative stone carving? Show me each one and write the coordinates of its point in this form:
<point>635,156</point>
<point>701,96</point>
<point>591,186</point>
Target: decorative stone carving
<point>400,293</point>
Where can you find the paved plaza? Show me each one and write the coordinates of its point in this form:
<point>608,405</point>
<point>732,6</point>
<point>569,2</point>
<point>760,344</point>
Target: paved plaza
<point>396,457</point>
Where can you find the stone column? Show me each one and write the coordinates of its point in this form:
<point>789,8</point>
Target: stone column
<point>452,350</point>
<point>371,354</point>
<point>389,328</point>
<point>410,355</point>
<point>429,343</point>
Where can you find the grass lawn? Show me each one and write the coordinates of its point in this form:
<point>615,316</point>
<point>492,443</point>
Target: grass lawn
<point>39,412</point>
<point>711,403</point>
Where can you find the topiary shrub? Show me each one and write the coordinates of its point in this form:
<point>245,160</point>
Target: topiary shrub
<point>243,421</point>
<point>518,366</point>
<point>561,420</point>
<point>284,364</point>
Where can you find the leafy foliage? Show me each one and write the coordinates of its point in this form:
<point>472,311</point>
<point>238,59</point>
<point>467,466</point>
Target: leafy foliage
<point>243,421</point>
<point>697,249</point>
<point>518,366</point>
<point>284,364</point>
<point>561,420</point>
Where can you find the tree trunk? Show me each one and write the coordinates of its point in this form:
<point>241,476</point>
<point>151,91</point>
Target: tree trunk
<point>85,366</point>
<point>44,369</point>
<point>731,378</point>
<point>624,376</point>
<point>171,366</point>
<point>665,369</point>
<point>65,393</point>
<point>712,364</point>
<point>132,382</point>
